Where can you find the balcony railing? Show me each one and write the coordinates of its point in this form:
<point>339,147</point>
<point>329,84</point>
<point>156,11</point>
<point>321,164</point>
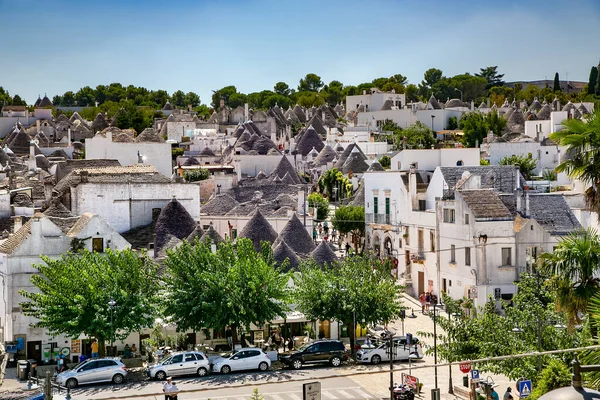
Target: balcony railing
<point>371,218</point>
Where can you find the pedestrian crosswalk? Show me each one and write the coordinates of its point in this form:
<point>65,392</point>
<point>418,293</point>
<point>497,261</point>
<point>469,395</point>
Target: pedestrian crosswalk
<point>352,393</point>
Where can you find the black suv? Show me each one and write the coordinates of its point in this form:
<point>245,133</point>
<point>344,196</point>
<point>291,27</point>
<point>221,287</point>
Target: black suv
<point>320,351</point>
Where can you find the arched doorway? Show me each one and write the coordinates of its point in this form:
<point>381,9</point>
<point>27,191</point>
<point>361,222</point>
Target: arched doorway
<point>376,244</point>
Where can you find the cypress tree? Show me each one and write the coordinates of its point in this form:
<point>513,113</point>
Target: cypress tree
<point>556,83</point>
<point>593,80</point>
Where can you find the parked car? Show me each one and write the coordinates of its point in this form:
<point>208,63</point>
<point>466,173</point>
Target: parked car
<point>181,363</point>
<point>401,351</point>
<point>242,359</point>
<point>93,370</point>
<point>320,351</point>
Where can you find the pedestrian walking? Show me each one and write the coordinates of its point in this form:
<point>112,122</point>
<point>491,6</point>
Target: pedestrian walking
<point>320,228</point>
<point>347,248</point>
<point>95,348</point>
<point>422,301</point>
<point>427,301</point>
<point>508,395</point>
<point>494,395</point>
<point>315,235</point>
<point>229,336</point>
<point>170,389</point>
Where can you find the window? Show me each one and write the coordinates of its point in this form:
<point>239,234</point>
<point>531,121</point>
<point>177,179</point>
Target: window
<point>449,215</point>
<point>177,359</point>
<point>506,256</point>
<point>467,256</point>
<point>452,253</point>
<point>422,205</point>
<point>497,293</point>
<point>466,219</point>
<point>530,257</point>
<point>253,353</point>
<point>190,357</point>
<point>375,205</point>
<point>98,245</point>
<point>459,163</point>
<point>432,241</point>
<point>449,283</point>
<point>387,206</point>
<point>199,357</point>
<point>106,363</point>
<point>89,366</point>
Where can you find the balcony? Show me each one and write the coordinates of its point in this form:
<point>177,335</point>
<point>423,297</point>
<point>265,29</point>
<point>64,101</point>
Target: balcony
<point>418,257</point>
<point>371,218</point>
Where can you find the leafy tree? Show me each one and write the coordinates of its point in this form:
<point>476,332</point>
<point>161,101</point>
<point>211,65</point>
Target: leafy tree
<point>492,76</point>
<point>196,175</point>
<point>223,93</point>
<point>74,292</point>
<point>282,88</point>
<point>68,99</point>
<point>385,161</point>
<point>526,163</point>
<point>309,99</point>
<point>472,87</point>
<point>430,78</point>
<point>360,288</point>
<point>18,101</point>
<point>418,136</point>
<point>498,94</point>
<point>276,99</point>
<point>555,375</point>
<point>582,139</point>
<point>350,219</point>
<point>310,83</point>
<point>234,286</point>
<point>332,178</point>
<point>529,94</point>
<point>192,98</point>
<point>476,126</point>
<point>574,265</point>
<point>85,97</point>
<point>236,99</point>
<point>334,92</point>
<point>452,123</point>
<point>178,98</point>
<point>411,92</point>
<point>557,83</point>
<point>322,204</point>
<point>203,111</point>
<point>591,89</point>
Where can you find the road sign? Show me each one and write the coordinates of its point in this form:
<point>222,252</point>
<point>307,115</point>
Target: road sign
<point>410,380</point>
<point>474,292</point>
<point>475,374</point>
<point>465,367</point>
<point>525,388</point>
<point>311,391</point>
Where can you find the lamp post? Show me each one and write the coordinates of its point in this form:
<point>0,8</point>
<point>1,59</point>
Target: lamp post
<point>111,303</point>
<point>461,94</point>
<point>450,384</point>
<point>432,117</point>
<point>435,345</point>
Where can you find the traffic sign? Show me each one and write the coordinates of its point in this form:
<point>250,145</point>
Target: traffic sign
<point>474,292</point>
<point>311,391</point>
<point>465,367</point>
<point>475,374</point>
<point>525,388</point>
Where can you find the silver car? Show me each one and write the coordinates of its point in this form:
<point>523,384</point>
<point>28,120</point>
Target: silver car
<point>94,370</point>
<point>182,363</point>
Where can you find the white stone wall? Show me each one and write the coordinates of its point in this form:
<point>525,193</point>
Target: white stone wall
<point>126,206</point>
<point>430,159</point>
<point>157,154</point>
<point>248,165</point>
<point>176,130</point>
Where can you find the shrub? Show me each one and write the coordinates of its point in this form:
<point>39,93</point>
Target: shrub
<point>386,162</point>
<point>554,376</point>
<point>196,175</point>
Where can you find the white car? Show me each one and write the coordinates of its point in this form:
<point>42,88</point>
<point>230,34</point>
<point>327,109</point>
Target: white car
<point>93,370</point>
<point>242,359</point>
<point>182,363</point>
<point>381,351</point>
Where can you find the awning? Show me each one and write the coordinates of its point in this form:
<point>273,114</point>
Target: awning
<point>291,316</point>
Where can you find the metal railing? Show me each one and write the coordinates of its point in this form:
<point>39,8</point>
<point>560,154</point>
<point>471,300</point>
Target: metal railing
<point>371,218</point>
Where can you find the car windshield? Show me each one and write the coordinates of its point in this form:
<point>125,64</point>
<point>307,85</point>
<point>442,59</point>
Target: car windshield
<point>80,364</point>
<point>305,346</point>
<point>166,360</point>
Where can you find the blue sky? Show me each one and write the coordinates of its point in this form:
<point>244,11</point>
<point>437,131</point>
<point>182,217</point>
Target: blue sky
<point>51,46</point>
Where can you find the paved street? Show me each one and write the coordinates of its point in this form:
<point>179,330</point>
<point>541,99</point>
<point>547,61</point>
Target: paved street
<point>347,382</point>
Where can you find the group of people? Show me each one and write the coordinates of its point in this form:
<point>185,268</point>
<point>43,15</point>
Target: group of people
<point>128,352</point>
<point>322,230</point>
<point>426,298</point>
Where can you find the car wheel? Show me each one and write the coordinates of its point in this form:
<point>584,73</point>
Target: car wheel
<point>225,369</point>
<point>375,360</point>
<point>297,363</point>
<point>202,371</point>
<point>71,383</point>
<point>263,366</point>
<point>336,361</point>
<point>161,375</point>
<point>118,379</point>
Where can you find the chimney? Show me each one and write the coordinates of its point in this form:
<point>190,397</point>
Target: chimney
<point>32,150</point>
<point>69,137</point>
<point>519,200</point>
<point>221,103</point>
<point>37,125</point>
<point>412,186</point>
<point>323,116</point>
<point>36,227</point>
<point>527,212</point>
<point>18,223</point>
<point>246,112</point>
<point>189,107</point>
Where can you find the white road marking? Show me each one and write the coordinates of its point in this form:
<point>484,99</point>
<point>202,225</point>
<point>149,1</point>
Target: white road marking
<point>345,394</point>
<point>331,394</point>
<point>328,395</point>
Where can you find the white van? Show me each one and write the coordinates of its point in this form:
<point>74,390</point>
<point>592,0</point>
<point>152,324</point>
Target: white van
<point>401,351</point>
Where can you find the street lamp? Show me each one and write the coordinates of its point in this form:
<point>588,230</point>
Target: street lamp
<point>435,345</point>
<point>111,303</point>
<point>450,384</point>
<point>461,95</point>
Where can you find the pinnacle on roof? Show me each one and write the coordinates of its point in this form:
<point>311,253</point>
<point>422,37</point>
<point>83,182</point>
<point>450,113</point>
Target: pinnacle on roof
<point>355,163</point>
<point>258,229</point>
<point>213,235</point>
<point>284,166</point>
<point>309,140</point>
<point>168,107</point>
<point>375,166</point>
<point>282,252</point>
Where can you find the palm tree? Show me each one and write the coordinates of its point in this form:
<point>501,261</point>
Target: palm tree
<point>574,264</point>
<point>582,139</point>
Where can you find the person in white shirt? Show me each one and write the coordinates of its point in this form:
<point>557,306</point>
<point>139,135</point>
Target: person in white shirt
<point>170,389</point>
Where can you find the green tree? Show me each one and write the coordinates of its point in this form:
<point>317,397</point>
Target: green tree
<point>492,76</point>
<point>18,101</point>
<point>73,294</point>
<point>411,92</point>
<point>282,88</point>
<point>309,99</point>
<point>430,78</point>
<point>223,93</point>
<point>582,139</point>
<point>557,83</point>
<point>472,87</point>
<point>85,97</point>
<point>574,265</point>
<point>334,92</point>
<point>360,288</point>
<point>178,98</point>
<point>192,98</point>
<point>526,163</point>
<point>555,375</point>
<point>476,125</point>
<point>385,161</point>
<point>418,136</point>
<point>591,89</point>
<point>310,83</point>
<point>350,219</point>
<point>233,286</point>
<point>322,204</point>
<point>332,178</point>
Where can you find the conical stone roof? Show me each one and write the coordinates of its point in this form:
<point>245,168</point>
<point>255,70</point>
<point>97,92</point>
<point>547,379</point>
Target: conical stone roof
<point>284,167</point>
<point>309,139</point>
<point>323,254</point>
<point>196,234</point>
<point>355,163</point>
<point>375,166</point>
<point>346,153</point>
<point>58,210</point>
<point>99,123</point>
<point>173,220</point>
<point>535,105</point>
<point>516,122</point>
<point>259,230</point>
<point>191,161</point>
<point>545,111</point>
<point>317,123</point>
<point>296,236</point>
<point>326,155</point>
<point>282,252</point>
<point>213,235</point>
<point>287,179</point>
<point>206,151</point>
<point>300,113</point>
<point>149,135</point>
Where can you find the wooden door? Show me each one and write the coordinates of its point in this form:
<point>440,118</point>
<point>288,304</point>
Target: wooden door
<point>421,282</point>
<point>34,350</point>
